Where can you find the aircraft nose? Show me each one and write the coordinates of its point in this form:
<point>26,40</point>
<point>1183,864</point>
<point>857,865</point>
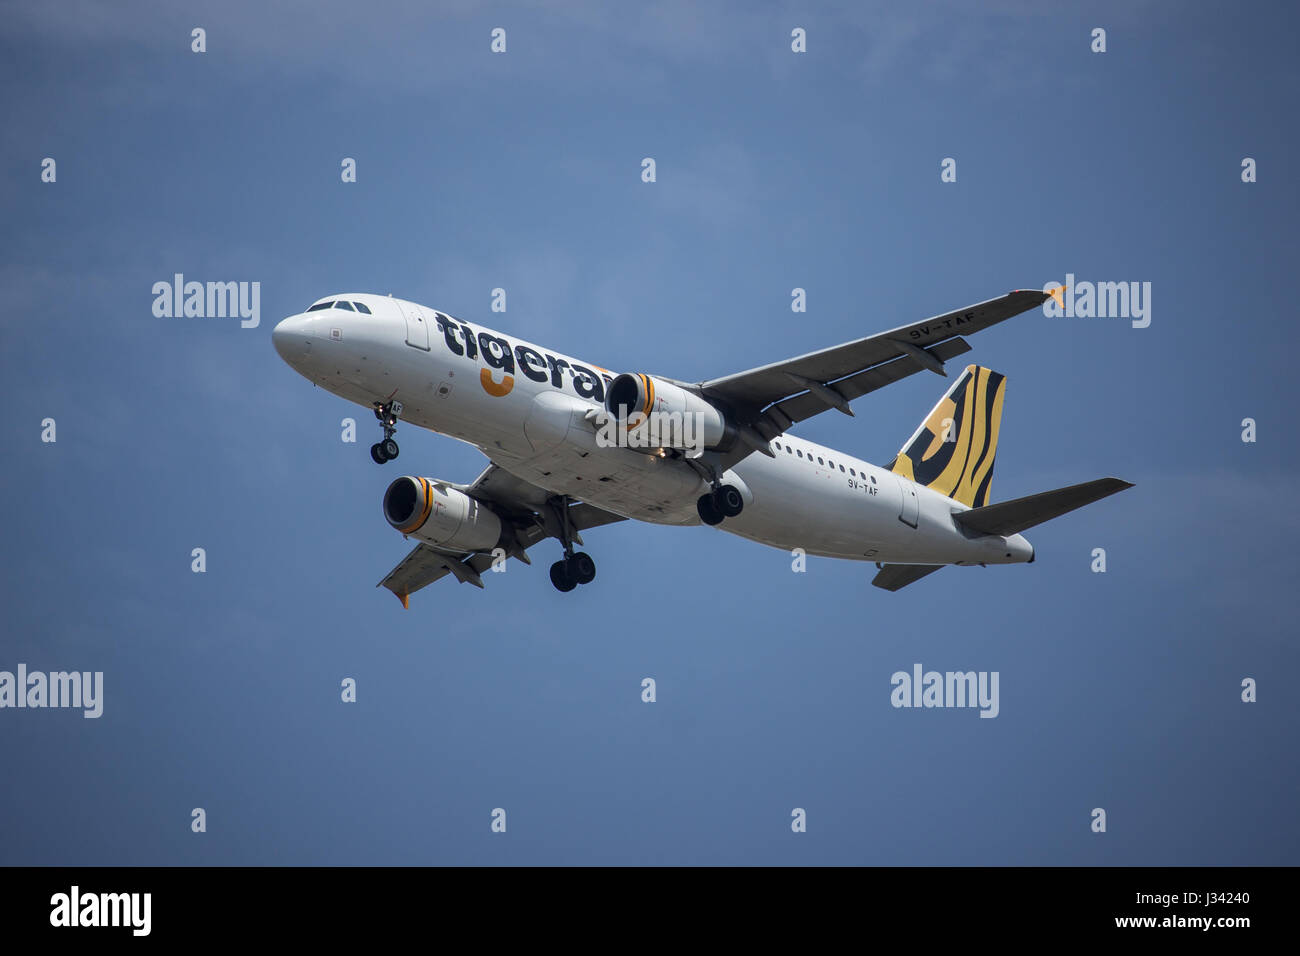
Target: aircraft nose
<point>291,338</point>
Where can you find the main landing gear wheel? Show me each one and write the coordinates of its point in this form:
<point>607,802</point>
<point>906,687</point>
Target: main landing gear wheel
<point>725,502</point>
<point>581,568</point>
<point>561,578</point>
<point>708,509</point>
<point>577,568</point>
<point>387,449</point>
<point>729,501</point>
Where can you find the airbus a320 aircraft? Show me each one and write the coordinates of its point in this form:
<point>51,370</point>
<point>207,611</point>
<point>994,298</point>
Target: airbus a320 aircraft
<point>545,422</point>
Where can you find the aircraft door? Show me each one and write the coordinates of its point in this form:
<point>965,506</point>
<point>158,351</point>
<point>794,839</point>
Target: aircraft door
<point>909,511</point>
<point>417,326</point>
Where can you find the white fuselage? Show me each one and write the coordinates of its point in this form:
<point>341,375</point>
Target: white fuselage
<point>534,423</point>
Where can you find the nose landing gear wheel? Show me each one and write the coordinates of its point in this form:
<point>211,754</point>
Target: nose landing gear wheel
<point>389,448</point>
<point>377,453</point>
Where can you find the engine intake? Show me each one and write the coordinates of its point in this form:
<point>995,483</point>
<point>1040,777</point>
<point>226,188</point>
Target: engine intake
<point>440,515</point>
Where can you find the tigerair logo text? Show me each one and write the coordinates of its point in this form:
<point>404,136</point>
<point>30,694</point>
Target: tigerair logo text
<point>1100,300</point>
<point>208,300</point>
<point>657,430</point>
<point>75,908</point>
<point>37,689</point>
<point>950,689</point>
<point>500,356</point>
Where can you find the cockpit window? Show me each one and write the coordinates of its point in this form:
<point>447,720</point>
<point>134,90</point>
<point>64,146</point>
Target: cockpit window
<point>362,307</point>
<point>320,305</point>
<point>343,305</point>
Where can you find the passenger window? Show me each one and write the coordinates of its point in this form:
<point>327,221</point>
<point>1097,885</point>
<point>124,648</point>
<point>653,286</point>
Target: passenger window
<point>320,305</point>
<point>832,465</point>
<point>362,307</point>
<point>799,453</point>
<point>853,473</point>
<point>819,461</point>
<point>776,445</point>
<point>841,467</point>
<point>873,479</point>
<point>343,305</point>
<point>789,450</point>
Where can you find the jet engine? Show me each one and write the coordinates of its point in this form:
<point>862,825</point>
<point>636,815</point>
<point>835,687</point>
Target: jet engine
<point>440,515</point>
<point>667,413</point>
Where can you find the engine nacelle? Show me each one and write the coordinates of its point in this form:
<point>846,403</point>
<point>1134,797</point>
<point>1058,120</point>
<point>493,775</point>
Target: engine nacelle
<point>664,415</point>
<point>440,515</point>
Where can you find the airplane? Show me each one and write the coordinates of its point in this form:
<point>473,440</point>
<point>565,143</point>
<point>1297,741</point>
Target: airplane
<point>573,446</point>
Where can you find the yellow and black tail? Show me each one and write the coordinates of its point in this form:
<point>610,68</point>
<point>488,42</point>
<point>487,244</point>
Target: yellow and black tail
<point>953,450</point>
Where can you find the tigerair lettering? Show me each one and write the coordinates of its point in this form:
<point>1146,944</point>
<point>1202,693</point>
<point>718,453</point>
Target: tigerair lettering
<point>499,354</point>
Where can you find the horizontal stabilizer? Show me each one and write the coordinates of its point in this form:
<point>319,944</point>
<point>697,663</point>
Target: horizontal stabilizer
<point>895,576</point>
<point>1019,514</point>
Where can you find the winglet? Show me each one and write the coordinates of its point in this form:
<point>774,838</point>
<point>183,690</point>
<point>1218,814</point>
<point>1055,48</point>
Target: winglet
<point>1058,294</point>
<point>405,599</point>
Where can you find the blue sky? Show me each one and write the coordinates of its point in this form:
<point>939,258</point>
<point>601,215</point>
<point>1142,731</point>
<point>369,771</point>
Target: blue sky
<point>522,170</point>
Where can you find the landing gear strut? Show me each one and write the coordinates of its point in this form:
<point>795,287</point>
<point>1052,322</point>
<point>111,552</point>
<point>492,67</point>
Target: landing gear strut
<point>576,567</point>
<point>387,449</point>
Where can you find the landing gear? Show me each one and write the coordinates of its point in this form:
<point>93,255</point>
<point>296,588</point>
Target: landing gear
<point>581,568</point>
<point>576,567</point>
<point>729,501</point>
<point>725,501</point>
<point>721,501</point>
<point>561,578</point>
<point>387,449</point>
<point>708,509</point>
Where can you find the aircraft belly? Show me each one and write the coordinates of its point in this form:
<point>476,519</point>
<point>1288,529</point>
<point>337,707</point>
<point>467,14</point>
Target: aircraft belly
<point>645,487</point>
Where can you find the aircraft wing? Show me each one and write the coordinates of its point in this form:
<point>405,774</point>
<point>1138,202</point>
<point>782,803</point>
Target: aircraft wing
<point>774,397</point>
<point>522,506</point>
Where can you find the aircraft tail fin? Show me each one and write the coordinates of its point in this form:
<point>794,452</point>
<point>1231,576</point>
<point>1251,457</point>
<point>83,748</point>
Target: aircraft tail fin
<point>1020,514</point>
<point>952,451</point>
